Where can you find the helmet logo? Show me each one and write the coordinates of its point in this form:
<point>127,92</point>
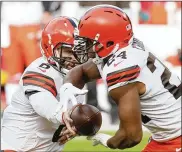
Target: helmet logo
<point>65,24</point>
<point>51,60</point>
<point>50,42</point>
<point>49,36</point>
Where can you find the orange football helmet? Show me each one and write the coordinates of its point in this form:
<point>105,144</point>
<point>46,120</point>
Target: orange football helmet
<point>58,32</point>
<point>101,28</point>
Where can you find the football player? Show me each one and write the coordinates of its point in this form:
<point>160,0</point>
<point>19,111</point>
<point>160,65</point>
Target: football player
<point>37,107</point>
<point>145,91</point>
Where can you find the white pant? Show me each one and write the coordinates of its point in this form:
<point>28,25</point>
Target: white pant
<point>5,146</point>
<point>33,142</point>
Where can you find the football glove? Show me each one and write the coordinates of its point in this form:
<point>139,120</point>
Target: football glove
<point>68,94</point>
<point>99,138</point>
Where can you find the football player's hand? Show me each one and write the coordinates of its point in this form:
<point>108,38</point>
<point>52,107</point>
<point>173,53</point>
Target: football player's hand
<point>99,138</point>
<point>68,121</point>
<point>65,135</point>
<point>68,93</point>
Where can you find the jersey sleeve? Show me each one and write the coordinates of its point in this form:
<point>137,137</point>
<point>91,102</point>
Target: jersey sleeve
<point>123,71</point>
<point>32,80</point>
<point>50,109</point>
<point>123,76</point>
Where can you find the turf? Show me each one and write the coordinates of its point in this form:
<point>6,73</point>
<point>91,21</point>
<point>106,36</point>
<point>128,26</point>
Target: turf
<point>80,144</point>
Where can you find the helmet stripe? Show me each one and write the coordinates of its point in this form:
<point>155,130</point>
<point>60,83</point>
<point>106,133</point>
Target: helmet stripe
<point>104,6</point>
<point>72,22</point>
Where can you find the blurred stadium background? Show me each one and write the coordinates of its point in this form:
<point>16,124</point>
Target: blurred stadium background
<point>157,24</point>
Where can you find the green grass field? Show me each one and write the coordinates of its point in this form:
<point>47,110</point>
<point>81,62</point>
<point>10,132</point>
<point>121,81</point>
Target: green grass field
<point>80,144</point>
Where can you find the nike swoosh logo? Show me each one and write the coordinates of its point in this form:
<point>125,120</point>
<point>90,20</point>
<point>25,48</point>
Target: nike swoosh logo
<point>116,64</point>
<point>178,149</point>
<point>42,70</point>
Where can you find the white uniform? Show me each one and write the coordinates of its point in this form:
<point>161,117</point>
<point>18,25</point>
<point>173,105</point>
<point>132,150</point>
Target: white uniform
<point>161,103</point>
<point>34,114</point>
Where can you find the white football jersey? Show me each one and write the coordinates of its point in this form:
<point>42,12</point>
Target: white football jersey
<point>161,103</point>
<point>23,128</point>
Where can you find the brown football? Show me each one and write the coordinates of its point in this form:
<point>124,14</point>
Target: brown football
<point>87,119</point>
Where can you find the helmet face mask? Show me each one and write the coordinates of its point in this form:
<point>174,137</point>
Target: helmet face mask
<point>85,48</point>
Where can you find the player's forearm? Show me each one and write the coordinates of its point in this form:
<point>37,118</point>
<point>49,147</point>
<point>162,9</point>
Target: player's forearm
<point>76,77</point>
<point>121,140</point>
<point>47,106</point>
<point>82,74</point>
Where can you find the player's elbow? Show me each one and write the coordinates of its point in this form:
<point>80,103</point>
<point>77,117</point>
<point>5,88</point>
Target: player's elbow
<point>132,139</point>
<point>136,140</point>
<point>126,138</point>
<point>129,143</point>
<point>135,135</point>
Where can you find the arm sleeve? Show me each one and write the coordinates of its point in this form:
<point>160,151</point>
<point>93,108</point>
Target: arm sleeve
<point>46,105</point>
<point>37,81</point>
<point>124,71</point>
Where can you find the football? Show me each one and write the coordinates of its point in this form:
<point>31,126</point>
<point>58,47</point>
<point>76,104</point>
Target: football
<point>87,119</point>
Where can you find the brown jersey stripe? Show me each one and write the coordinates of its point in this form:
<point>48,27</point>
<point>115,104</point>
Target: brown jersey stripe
<point>36,73</point>
<point>31,75</point>
<point>43,81</point>
<point>40,77</point>
<point>123,79</point>
<point>123,72</point>
<point>27,84</point>
<point>40,83</point>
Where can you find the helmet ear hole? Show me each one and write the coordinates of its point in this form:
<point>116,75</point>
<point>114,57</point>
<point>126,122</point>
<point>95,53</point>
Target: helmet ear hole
<point>109,43</point>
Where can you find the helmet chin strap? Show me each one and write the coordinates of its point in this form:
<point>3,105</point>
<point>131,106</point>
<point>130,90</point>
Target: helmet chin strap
<point>65,70</point>
<point>95,39</point>
<point>97,59</point>
<point>58,66</point>
<point>115,49</point>
<point>42,52</point>
<point>131,40</point>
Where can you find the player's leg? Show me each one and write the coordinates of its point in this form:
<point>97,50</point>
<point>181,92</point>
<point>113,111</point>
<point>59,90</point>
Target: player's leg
<point>149,146</point>
<point>12,62</point>
<point>169,146</point>
<point>30,43</point>
<point>6,147</point>
<point>175,144</point>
